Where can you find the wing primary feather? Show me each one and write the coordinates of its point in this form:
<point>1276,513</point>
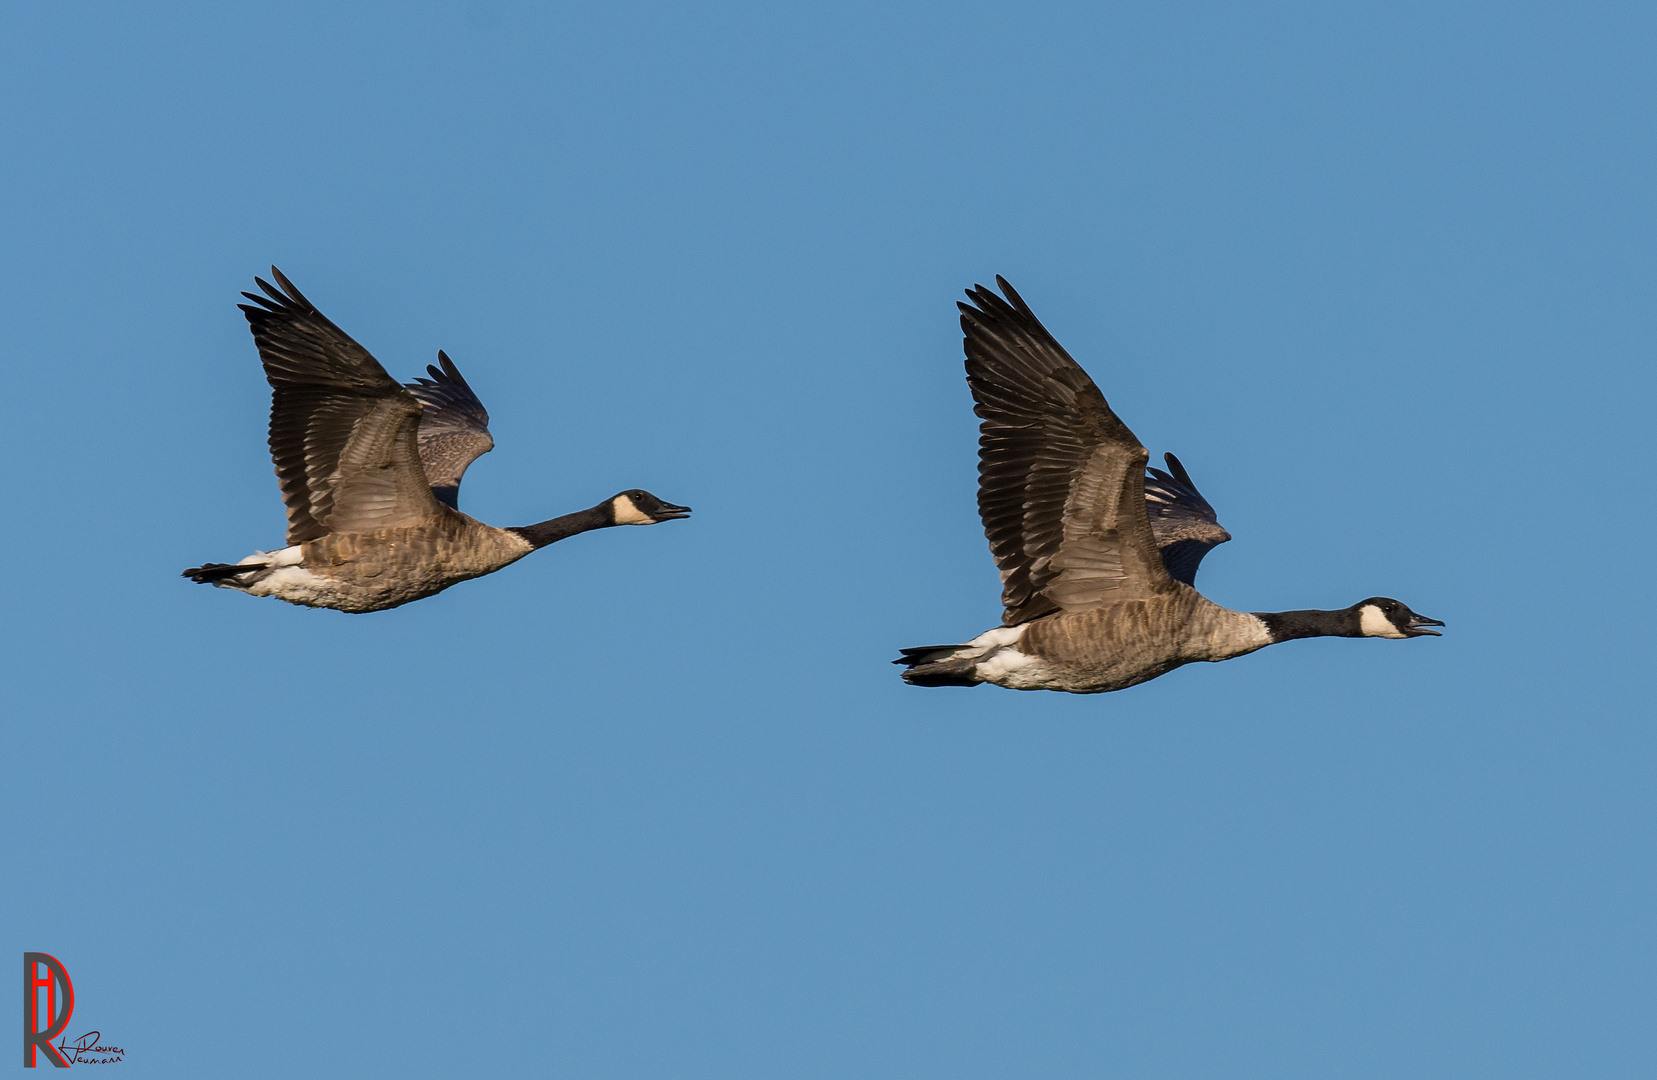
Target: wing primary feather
<point>342,431</point>
<point>1060,476</point>
<point>454,428</point>
<point>1184,524</point>
<point>1178,470</point>
<point>450,370</point>
<point>289,287</point>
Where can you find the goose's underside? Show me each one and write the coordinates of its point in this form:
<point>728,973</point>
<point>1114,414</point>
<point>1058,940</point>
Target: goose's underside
<point>1110,647</point>
<point>373,569</point>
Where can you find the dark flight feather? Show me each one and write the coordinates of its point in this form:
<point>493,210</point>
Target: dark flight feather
<point>1061,478</point>
<point>1185,526</point>
<point>454,429</point>
<point>342,431</point>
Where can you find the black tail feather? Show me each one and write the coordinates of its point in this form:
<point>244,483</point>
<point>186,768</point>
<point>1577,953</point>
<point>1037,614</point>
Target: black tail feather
<point>208,573</point>
<point>928,666</point>
<point>918,677</point>
<point>924,654</point>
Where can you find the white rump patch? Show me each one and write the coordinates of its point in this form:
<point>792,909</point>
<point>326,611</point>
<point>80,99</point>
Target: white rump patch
<point>287,579</point>
<point>297,585</point>
<point>999,662</point>
<point>275,560</point>
<point>1001,635</point>
<point>625,513</point>
<point>1373,622</point>
<point>288,556</point>
<point>1000,665</point>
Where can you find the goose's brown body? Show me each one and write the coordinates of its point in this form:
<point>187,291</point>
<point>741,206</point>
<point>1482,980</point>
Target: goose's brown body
<point>376,569</point>
<point>1095,595</point>
<point>1129,642</point>
<point>370,472</point>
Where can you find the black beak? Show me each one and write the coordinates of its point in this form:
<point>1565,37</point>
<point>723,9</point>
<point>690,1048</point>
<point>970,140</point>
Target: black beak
<point>1418,623</point>
<point>668,512</point>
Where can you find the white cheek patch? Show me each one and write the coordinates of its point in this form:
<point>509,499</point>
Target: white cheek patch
<point>625,513</point>
<point>1374,623</point>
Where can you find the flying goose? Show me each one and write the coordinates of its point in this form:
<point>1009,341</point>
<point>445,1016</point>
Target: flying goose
<point>1098,562</point>
<point>370,471</point>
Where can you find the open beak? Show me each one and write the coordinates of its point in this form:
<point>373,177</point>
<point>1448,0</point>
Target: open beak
<point>1419,624</point>
<point>669,512</point>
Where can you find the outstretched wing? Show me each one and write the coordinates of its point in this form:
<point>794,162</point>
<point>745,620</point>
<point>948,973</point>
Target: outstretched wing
<point>454,429</point>
<point>342,431</point>
<point>1184,525</point>
<point>1060,477</point>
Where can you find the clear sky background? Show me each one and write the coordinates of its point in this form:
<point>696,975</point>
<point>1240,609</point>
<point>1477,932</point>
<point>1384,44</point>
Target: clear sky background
<point>653,803</point>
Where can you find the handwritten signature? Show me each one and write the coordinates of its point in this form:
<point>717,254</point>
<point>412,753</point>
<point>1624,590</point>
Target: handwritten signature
<point>87,1045</point>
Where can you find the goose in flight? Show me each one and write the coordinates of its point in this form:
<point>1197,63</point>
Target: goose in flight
<point>1098,561</point>
<point>370,471</point>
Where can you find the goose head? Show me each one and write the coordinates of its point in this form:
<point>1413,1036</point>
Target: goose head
<point>1382,616</point>
<point>637,507</point>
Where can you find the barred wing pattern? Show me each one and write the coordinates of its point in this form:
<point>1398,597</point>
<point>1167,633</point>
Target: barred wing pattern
<point>1185,526</point>
<point>342,431</point>
<point>1060,477</point>
<point>454,429</point>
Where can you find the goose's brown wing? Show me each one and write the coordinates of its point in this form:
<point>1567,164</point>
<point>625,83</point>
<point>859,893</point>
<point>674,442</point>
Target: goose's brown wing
<point>1184,525</point>
<point>454,429</point>
<point>342,431</point>
<point>1060,478</point>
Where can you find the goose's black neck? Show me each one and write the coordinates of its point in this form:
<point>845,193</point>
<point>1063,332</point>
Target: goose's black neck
<point>550,532</point>
<point>1288,625</point>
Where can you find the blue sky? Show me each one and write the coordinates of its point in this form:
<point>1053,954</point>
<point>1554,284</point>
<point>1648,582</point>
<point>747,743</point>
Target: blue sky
<point>653,803</point>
